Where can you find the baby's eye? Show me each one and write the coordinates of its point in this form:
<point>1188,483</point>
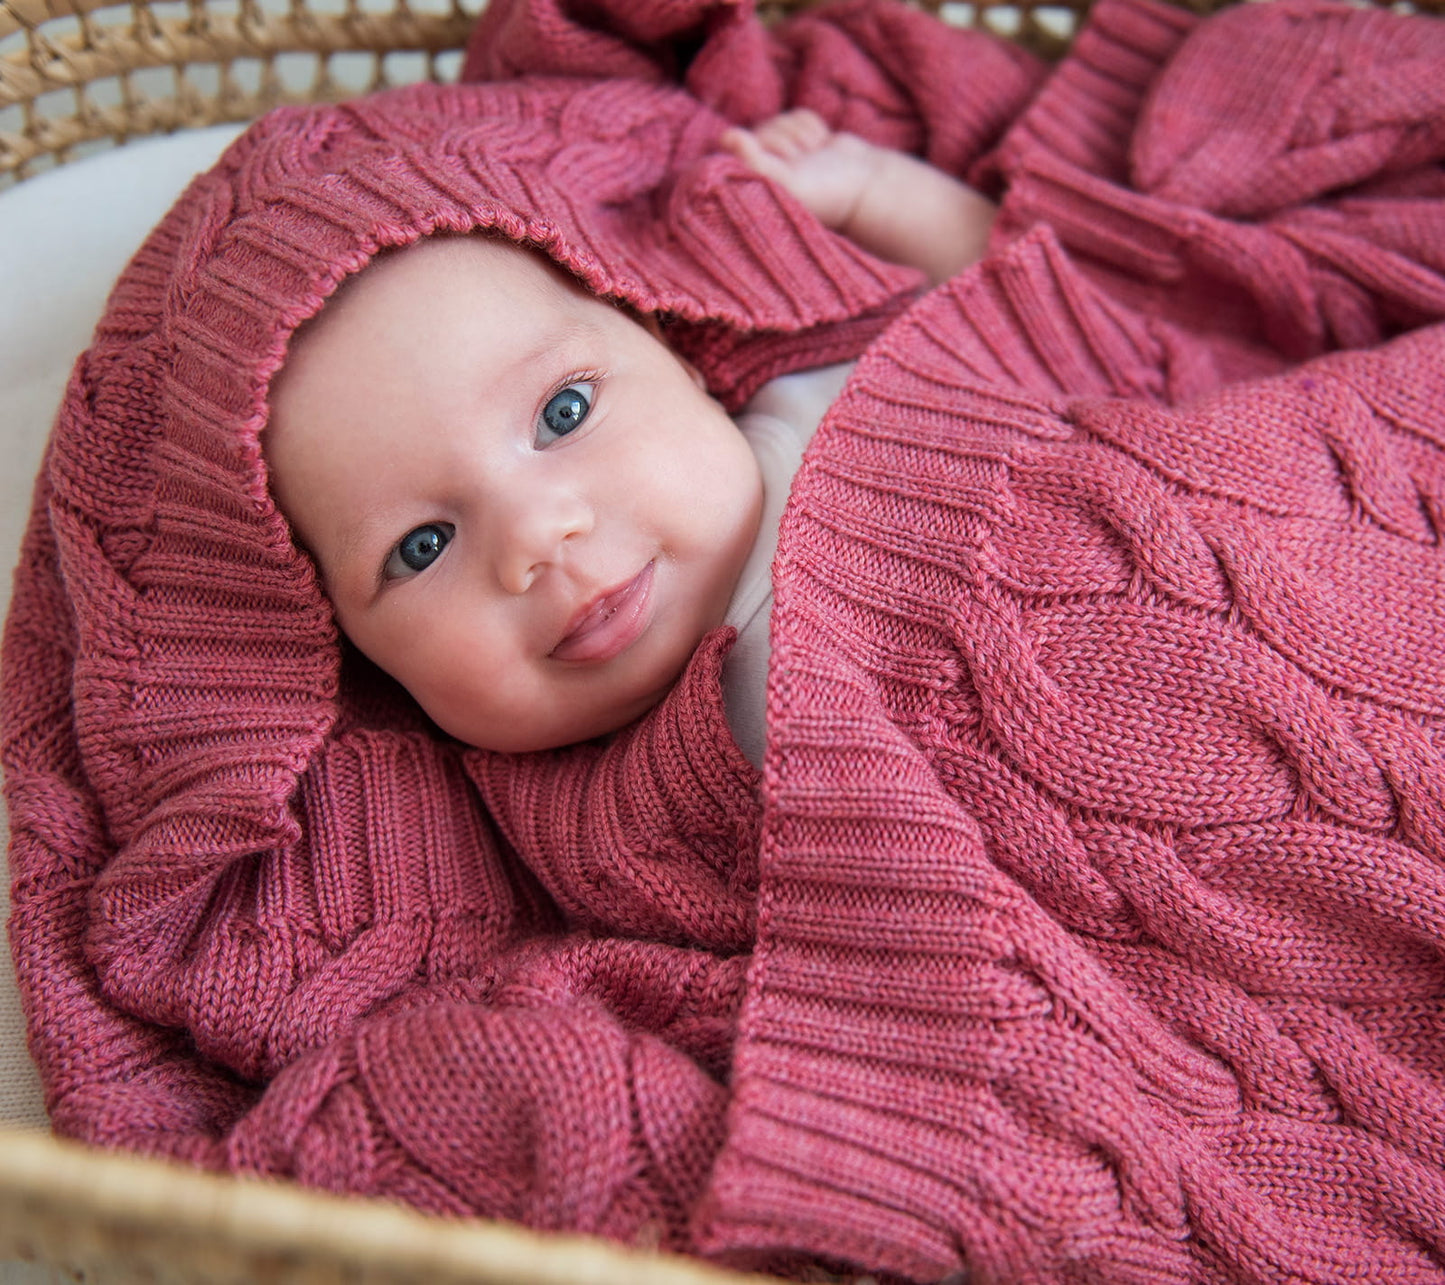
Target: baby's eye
<point>564,411</point>
<point>418,549</point>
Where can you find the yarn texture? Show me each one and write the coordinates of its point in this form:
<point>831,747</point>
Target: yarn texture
<point>1085,921</point>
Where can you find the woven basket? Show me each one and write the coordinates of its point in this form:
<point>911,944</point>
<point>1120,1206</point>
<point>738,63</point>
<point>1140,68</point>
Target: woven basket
<point>80,75</point>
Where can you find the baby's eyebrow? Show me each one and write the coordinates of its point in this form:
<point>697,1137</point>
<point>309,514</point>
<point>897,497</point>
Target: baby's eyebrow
<point>572,331</point>
<point>536,361</point>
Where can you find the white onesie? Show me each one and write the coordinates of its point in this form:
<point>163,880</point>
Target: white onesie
<point>778,424</point>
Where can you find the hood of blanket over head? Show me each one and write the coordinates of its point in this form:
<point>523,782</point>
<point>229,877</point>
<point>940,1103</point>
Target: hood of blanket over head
<point>206,664</point>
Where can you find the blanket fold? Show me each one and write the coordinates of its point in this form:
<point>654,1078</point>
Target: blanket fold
<point>1163,923</point>
<point>1193,716</point>
<point>1086,918</point>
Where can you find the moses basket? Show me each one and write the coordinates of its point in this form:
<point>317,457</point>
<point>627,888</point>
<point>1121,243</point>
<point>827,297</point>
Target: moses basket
<point>80,77</point>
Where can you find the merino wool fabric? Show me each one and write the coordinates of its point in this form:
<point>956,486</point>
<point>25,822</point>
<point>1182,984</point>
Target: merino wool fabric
<point>1085,920</point>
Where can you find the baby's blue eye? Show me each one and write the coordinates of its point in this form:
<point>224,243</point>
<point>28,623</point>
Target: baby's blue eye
<point>567,409</point>
<point>418,549</point>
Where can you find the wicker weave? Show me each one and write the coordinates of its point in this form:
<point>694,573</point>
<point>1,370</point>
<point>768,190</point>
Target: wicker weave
<point>119,1219</point>
<point>112,72</point>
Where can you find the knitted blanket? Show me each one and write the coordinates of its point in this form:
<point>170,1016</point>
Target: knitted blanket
<point>1086,918</point>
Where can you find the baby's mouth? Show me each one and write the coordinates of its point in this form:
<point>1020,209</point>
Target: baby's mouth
<point>610,623</point>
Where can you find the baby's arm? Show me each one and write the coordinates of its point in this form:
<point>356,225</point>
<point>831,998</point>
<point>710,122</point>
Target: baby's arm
<point>896,206</point>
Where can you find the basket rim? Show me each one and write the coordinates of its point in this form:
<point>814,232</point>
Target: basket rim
<point>76,1206</point>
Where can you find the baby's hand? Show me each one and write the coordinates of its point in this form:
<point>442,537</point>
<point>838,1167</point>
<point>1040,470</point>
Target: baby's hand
<point>828,172</point>
<point>892,204</point>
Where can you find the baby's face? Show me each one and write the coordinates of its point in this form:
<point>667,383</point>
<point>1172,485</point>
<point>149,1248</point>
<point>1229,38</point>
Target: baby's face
<point>523,505</point>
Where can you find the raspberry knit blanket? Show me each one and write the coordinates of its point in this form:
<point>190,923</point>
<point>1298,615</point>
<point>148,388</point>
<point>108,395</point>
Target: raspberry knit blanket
<point>1086,919</point>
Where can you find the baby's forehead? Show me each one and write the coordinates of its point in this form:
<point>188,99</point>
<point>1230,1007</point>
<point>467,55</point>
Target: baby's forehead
<point>445,270</point>
<point>474,261</point>
<point>456,312</point>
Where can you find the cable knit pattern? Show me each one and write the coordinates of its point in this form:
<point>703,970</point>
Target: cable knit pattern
<point>437,1099</point>
<point>1101,876</point>
<point>1085,921</point>
<point>1134,964</point>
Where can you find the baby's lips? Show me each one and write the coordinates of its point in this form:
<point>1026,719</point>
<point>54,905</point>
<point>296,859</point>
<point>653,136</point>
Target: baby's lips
<point>610,623</point>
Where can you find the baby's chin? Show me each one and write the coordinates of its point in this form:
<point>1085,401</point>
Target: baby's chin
<point>519,735</point>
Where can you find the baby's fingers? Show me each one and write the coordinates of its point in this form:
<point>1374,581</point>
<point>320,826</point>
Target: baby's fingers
<point>748,148</point>
<point>793,134</point>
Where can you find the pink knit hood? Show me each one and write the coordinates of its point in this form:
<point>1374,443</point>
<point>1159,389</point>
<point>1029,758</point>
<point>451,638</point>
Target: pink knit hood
<point>208,674</point>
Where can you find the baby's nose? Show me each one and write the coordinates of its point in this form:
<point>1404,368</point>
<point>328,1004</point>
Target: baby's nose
<point>535,534</point>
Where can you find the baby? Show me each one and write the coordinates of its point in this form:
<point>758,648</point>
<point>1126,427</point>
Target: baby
<point>524,506</point>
